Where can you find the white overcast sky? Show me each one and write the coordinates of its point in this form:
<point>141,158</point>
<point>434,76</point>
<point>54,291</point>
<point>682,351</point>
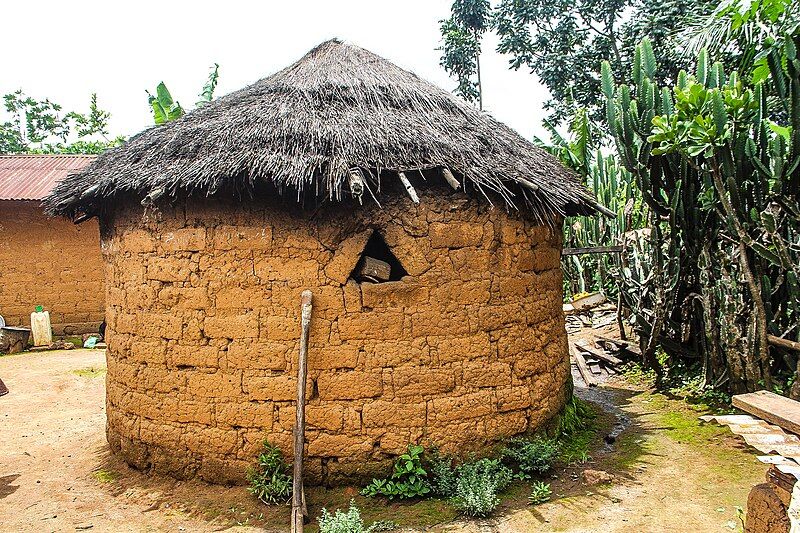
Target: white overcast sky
<point>67,50</point>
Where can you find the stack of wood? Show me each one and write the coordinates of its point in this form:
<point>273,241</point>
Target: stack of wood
<point>622,349</point>
<point>596,363</point>
<point>591,311</point>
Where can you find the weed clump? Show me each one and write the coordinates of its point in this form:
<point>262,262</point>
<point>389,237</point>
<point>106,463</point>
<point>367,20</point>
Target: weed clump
<point>270,481</point>
<point>350,522</point>
<point>540,493</point>
<point>408,480</point>
<point>534,456</point>
<point>443,475</point>
<point>477,485</point>
<point>342,522</point>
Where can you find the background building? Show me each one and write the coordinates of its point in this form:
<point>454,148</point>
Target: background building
<point>46,261</point>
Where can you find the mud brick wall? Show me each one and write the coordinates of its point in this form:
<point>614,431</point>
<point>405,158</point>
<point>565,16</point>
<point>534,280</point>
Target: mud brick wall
<point>49,262</point>
<point>203,326</point>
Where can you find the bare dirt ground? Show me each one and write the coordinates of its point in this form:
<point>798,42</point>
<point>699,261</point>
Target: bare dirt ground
<point>57,473</point>
<point>56,470</point>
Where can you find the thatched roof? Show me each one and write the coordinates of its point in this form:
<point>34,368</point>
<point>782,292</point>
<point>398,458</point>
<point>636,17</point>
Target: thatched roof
<point>306,129</point>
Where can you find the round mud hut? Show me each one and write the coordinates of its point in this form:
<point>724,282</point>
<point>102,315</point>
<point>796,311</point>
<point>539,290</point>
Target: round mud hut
<point>428,233</point>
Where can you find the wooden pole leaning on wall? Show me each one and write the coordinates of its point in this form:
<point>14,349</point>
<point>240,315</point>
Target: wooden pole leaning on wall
<point>299,511</point>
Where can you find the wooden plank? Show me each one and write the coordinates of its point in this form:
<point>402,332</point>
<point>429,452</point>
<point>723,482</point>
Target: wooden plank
<point>603,356</point>
<point>586,374</point>
<point>771,407</point>
<point>603,322</point>
<point>451,180</point>
<point>617,342</point>
<point>783,343</point>
<point>633,350</point>
<point>592,250</point>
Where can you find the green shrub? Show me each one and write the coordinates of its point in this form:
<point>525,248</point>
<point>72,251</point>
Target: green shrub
<point>540,493</point>
<point>341,522</point>
<point>477,486</point>
<point>408,480</point>
<point>351,522</point>
<point>270,481</point>
<point>443,475</point>
<point>533,456</point>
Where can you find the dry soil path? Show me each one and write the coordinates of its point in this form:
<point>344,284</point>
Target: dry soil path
<point>56,470</point>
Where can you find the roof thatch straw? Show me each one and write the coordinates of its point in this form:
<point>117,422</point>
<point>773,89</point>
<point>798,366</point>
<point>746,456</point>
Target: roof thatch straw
<point>339,111</point>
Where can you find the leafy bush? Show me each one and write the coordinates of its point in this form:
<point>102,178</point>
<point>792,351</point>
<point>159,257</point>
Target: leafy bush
<point>477,486</point>
<point>270,481</point>
<point>533,456</point>
<point>540,493</point>
<point>342,522</point>
<point>443,475</point>
<point>408,480</point>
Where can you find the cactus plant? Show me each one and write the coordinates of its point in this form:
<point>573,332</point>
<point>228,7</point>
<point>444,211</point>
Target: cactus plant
<point>717,160</point>
<point>614,188</point>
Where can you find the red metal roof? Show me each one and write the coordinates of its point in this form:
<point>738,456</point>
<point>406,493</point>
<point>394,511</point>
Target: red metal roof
<point>32,177</point>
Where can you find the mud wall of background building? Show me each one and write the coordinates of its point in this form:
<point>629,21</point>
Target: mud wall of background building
<point>203,320</point>
<point>53,263</point>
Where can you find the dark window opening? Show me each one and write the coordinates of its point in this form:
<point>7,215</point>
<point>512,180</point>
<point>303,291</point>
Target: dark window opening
<point>377,263</point>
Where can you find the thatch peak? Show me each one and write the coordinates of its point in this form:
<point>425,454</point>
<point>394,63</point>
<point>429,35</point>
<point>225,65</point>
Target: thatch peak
<point>332,124</point>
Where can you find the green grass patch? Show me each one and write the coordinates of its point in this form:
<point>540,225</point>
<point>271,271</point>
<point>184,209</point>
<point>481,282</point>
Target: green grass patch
<point>104,476</point>
<point>578,429</point>
<point>629,449</point>
<point>575,447</point>
<point>681,422</point>
<point>90,372</point>
<point>75,341</point>
<point>638,376</point>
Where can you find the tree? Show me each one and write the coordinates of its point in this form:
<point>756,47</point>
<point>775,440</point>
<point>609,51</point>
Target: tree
<point>461,49</point>
<point>39,126</point>
<point>563,42</point>
<point>33,123</point>
<point>163,106</point>
<point>736,30</point>
<point>95,123</point>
